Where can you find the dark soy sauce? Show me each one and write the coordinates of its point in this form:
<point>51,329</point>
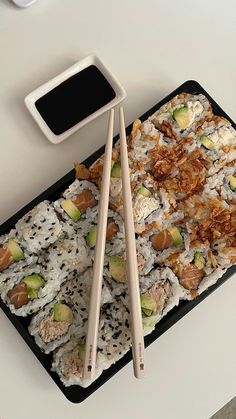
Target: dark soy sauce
<point>75,99</point>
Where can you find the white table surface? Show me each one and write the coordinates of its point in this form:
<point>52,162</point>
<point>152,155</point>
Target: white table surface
<point>152,47</point>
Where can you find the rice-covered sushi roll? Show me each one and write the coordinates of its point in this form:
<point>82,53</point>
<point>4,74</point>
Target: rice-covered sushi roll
<point>39,228</point>
<point>226,256</point>
<point>67,258</point>
<point>171,237</point>
<point>145,198</point>
<point>53,324</point>
<point>196,270</point>
<point>68,363</point>
<point>146,255</point>
<point>114,233</point>
<point>223,184</point>
<point>77,291</point>
<point>115,271</point>
<point>145,202</point>
<point>13,257</point>
<point>218,144</point>
<point>114,336</point>
<point>179,172</point>
<point>210,222</point>
<point>96,168</point>
<point>181,115</point>
<point>79,201</point>
<point>114,341</point>
<point>160,292</point>
<point>28,291</point>
<point>144,137</point>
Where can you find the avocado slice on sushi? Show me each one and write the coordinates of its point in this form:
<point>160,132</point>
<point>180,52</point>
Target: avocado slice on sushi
<point>148,304</point>
<point>34,281</point>
<point>33,284</point>
<point>71,209</point>
<point>32,294</point>
<point>81,351</point>
<point>181,116</point>
<point>147,312</point>
<point>91,237</point>
<point>117,268</point>
<point>144,191</point>
<point>206,142</point>
<point>62,313</point>
<point>176,236</point>
<point>15,250</point>
<point>232,183</point>
<point>199,261</point>
<point>116,170</point>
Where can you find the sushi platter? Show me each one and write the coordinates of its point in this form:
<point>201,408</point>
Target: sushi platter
<point>182,161</point>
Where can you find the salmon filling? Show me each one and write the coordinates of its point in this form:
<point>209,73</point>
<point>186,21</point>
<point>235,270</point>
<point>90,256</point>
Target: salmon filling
<point>6,258</point>
<point>162,240</point>
<point>18,295</point>
<point>85,200</point>
<point>191,277</point>
<point>112,229</point>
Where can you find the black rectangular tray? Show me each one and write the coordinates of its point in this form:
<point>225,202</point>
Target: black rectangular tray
<point>77,394</point>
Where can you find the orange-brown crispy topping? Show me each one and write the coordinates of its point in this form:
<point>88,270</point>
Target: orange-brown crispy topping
<point>81,171</point>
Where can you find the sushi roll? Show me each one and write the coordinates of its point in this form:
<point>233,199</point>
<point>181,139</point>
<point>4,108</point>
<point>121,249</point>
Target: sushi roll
<point>28,291</point>
<point>223,184</point>
<point>79,201</point>
<point>144,137</point>
<point>54,324</point>
<point>146,255</point>
<point>68,363</point>
<point>77,291</point>
<point>160,292</point>
<point>196,270</point>
<point>182,115</point>
<point>67,258</point>
<point>13,257</point>
<point>39,228</point>
<point>114,336</point>
<point>114,233</point>
<point>218,144</point>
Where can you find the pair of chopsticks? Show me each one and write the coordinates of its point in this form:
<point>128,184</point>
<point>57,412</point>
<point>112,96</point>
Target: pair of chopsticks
<point>132,268</point>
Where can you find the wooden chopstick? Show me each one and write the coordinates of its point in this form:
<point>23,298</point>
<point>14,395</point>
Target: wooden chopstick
<point>132,265</point>
<point>95,296</point>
